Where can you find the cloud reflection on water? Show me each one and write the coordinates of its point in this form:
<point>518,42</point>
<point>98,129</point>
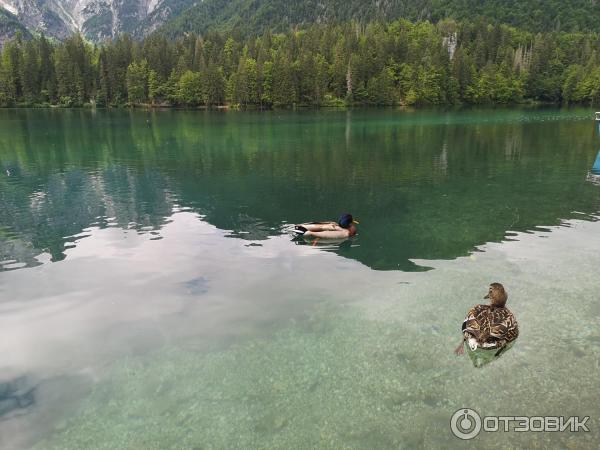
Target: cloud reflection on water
<point>427,184</point>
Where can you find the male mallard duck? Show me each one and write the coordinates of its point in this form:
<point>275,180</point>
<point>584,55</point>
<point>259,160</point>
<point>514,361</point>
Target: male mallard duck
<point>490,326</point>
<point>344,228</point>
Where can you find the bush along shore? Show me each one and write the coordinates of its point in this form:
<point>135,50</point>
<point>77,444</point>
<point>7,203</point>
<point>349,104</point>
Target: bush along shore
<point>395,63</point>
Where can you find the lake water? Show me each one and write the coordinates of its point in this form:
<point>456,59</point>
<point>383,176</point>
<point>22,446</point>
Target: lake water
<point>151,296</point>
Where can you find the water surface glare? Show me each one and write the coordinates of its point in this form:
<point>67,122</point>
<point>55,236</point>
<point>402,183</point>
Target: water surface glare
<point>150,296</point>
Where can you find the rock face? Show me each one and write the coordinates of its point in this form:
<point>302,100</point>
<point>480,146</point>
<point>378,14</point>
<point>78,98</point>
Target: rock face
<point>9,26</point>
<point>97,20</point>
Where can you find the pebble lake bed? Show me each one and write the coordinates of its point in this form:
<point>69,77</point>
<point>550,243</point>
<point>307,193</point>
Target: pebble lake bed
<point>150,297</point>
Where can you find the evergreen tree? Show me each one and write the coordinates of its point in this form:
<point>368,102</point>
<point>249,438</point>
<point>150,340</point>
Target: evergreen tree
<point>30,72</point>
<point>47,78</point>
<point>364,63</point>
<point>137,81</point>
<point>213,86</point>
<point>281,80</point>
<point>189,89</point>
<point>12,62</point>
<point>381,88</point>
<point>155,87</point>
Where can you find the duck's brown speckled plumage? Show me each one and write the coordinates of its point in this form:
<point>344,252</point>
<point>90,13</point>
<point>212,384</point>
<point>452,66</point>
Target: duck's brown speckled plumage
<point>493,325</point>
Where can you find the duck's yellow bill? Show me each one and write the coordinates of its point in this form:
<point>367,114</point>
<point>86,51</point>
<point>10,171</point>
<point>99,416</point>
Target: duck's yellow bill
<point>356,222</point>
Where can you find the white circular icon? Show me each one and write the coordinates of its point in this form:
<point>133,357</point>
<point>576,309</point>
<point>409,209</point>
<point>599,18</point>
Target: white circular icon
<point>465,423</point>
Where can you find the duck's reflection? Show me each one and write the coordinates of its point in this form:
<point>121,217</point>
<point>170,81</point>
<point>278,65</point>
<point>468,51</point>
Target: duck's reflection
<point>481,357</point>
<point>326,244</point>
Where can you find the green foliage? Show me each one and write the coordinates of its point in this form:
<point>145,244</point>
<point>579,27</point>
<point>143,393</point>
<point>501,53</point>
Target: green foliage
<point>189,90</point>
<point>155,87</point>
<point>252,17</point>
<point>398,63</point>
<point>213,86</point>
<point>66,101</point>
<point>137,81</point>
<point>30,73</point>
<point>73,68</point>
<point>381,88</point>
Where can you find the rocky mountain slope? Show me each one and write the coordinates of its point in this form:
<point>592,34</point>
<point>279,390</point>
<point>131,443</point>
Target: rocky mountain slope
<point>97,20</point>
<point>9,26</point>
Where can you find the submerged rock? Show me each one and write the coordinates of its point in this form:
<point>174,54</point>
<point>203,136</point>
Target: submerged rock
<point>271,423</point>
<point>7,405</point>
<point>15,394</point>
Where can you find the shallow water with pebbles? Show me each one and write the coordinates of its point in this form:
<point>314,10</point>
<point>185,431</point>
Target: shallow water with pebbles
<point>376,370</point>
<point>150,296</point>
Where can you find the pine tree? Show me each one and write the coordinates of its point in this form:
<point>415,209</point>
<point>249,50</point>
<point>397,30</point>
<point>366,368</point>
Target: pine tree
<point>213,86</point>
<point>321,81</point>
<point>30,73</point>
<point>282,83</point>
<point>12,62</point>
<point>381,88</point>
<point>137,82</point>
<point>47,74</point>
<point>155,87</point>
<point>267,84</point>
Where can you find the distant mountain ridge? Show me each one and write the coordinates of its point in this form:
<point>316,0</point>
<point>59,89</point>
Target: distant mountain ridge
<point>99,20</point>
<point>10,25</point>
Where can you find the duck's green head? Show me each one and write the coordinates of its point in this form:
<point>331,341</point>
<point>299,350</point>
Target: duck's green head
<point>346,220</point>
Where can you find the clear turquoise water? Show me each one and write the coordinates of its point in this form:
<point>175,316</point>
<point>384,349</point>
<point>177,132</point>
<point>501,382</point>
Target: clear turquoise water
<point>150,296</point>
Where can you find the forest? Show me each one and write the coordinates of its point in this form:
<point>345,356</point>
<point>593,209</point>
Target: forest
<point>254,16</point>
<point>394,63</point>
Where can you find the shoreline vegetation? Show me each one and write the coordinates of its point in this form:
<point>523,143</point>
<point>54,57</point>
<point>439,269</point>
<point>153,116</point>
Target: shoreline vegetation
<point>398,63</point>
<point>292,107</point>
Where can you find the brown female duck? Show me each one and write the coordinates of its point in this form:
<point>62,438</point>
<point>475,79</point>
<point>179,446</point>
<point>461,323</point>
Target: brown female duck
<point>490,326</point>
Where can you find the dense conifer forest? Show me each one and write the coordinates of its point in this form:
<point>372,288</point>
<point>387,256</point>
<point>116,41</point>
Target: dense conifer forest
<point>254,16</point>
<point>394,63</point>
